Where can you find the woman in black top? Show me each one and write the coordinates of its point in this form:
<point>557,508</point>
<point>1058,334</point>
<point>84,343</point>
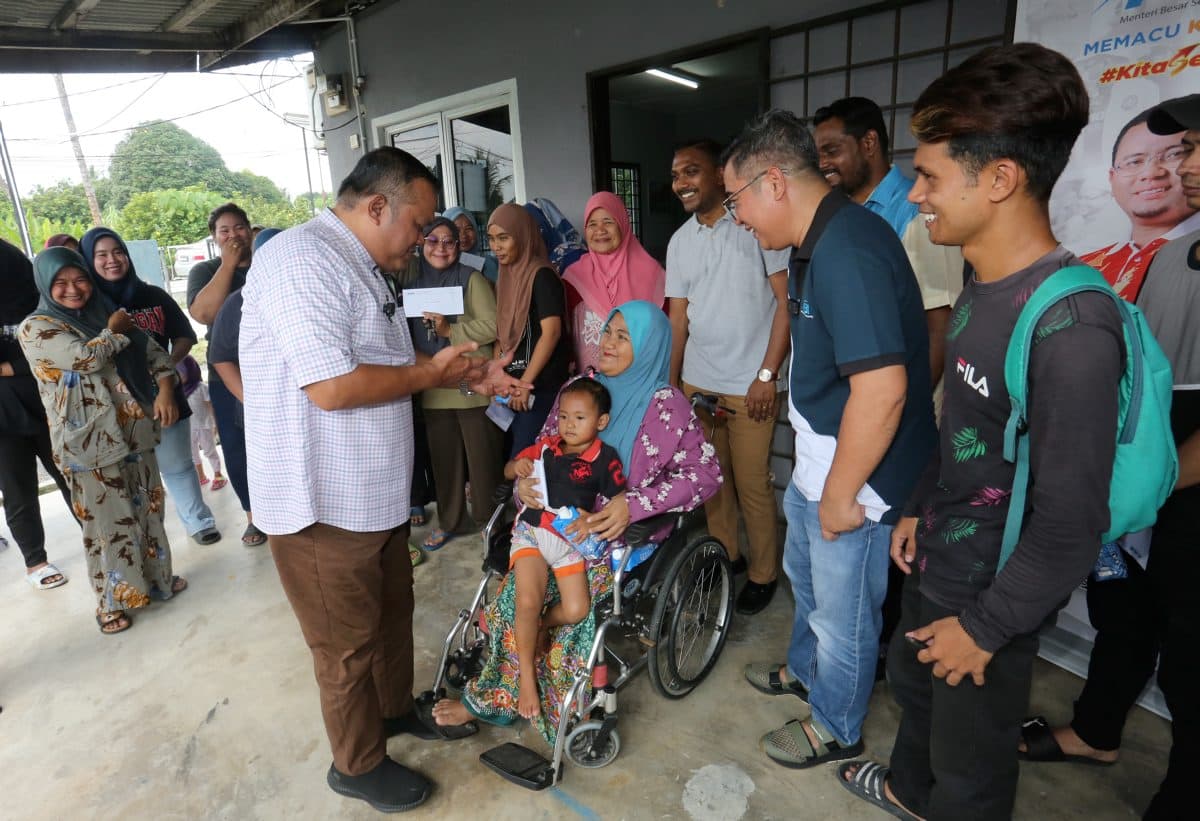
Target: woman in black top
<point>530,319</point>
<point>24,434</point>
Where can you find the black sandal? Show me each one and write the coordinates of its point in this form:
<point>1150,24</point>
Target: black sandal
<point>1042,746</point>
<point>867,784</point>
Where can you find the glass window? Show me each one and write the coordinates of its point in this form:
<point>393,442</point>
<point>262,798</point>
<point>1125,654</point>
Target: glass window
<point>425,143</point>
<point>483,161</point>
<point>627,184</point>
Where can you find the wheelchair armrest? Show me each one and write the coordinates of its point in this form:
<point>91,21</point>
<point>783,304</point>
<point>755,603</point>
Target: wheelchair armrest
<point>503,494</point>
<point>639,532</point>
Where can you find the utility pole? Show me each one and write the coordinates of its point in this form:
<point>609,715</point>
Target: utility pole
<point>84,171</point>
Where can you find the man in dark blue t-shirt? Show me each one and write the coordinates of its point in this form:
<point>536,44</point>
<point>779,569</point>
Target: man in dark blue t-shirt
<point>859,402</point>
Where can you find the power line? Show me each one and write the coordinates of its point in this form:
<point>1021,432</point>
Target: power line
<point>145,91</point>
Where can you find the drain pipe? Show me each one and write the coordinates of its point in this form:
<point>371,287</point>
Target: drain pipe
<point>355,73</point>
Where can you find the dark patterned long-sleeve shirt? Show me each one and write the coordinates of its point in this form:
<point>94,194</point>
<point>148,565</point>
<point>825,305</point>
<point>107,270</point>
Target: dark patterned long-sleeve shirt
<point>962,500</point>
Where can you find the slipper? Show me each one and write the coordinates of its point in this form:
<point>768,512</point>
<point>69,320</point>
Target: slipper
<point>1040,745</point>
<point>416,516</point>
<point>204,481</point>
<point>219,482</point>
<point>867,784</point>
<point>436,539</point>
<point>178,585</point>
<point>415,554</point>
<point>209,535</point>
<point>252,536</point>
<point>791,746</point>
<point>765,678</point>
<point>37,579</point>
<point>114,618</point>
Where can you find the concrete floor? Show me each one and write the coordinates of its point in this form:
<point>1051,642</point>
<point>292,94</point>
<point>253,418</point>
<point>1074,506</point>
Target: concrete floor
<point>207,708</point>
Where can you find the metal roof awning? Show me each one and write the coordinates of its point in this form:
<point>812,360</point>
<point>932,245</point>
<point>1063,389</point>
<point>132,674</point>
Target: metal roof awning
<point>83,36</point>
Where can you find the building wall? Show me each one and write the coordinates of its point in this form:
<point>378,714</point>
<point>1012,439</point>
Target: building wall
<point>413,53</point>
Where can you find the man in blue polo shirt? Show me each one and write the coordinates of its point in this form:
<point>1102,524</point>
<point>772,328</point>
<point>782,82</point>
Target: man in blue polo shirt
<point>861,409</point>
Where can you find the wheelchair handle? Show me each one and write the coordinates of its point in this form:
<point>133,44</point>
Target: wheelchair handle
<point>708,402</point>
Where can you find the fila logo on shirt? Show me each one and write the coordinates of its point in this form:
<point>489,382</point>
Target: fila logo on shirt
<point>967,370</point>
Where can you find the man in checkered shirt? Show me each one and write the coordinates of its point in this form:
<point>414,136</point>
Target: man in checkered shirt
<point>328,370</point>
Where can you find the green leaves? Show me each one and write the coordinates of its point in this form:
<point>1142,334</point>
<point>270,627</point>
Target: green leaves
<point>967,444</point>
<point>958,529</point>
<point>959,321</point>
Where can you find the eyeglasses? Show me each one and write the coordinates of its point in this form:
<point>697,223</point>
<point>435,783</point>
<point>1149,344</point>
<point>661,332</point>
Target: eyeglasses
<point>448,243</point>
<point>1168,159</point>
<point>730,202</point>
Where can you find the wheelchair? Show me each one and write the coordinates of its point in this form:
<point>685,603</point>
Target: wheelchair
<point>674,609</point>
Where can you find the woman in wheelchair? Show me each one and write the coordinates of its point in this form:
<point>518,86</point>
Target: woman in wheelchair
<point>669,466</point>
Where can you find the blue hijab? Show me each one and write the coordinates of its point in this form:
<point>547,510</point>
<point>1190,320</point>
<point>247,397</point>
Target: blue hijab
<point>491,268</point>
<point>633,388</point>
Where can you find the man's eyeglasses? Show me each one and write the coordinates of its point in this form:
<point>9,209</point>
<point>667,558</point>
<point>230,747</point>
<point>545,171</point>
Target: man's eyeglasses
<point>730,202</point>
<point>1168,159</point>
<point>448,243</point>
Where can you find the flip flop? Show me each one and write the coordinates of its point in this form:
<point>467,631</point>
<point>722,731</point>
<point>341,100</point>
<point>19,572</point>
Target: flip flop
<point>1041,745</point>
<point>219,482</point>
<point>37,579</point>
<point>178,585</point>
<point>415,554</point>
<point>416,516</point>
<point>867,784</point>
<point>437,539</point>
<point>252,536</point>
<point>204,481</point>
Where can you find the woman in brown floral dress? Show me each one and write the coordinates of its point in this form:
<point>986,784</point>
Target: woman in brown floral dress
<point>106,387</point>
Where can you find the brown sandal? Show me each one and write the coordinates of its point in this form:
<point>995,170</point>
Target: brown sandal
<point>119,618</point>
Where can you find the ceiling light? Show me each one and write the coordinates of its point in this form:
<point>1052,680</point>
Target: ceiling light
<point>673,77</point>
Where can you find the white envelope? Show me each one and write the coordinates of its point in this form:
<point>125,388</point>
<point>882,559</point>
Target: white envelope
<point>444,301</point>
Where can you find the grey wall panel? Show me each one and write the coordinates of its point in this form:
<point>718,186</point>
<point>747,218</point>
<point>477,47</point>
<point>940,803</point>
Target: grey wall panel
<point>548,48</point>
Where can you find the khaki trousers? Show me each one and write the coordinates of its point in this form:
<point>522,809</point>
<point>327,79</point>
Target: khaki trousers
<point>352,594</point>
<point>464,445</point>
<point>744,453</point>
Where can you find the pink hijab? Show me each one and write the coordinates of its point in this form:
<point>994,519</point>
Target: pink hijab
<point>605,281</point>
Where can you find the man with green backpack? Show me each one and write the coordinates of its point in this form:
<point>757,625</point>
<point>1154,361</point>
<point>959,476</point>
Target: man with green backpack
<point>1010,515</point>
<point>1145,613</point>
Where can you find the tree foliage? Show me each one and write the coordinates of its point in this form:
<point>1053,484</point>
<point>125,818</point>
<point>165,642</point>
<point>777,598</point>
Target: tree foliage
<point>171,216</point>
<point>247,184</point>
<point>62,202</point>
<point>161,156</point>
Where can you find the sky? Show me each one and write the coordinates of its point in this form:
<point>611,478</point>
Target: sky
<point>244,124</point>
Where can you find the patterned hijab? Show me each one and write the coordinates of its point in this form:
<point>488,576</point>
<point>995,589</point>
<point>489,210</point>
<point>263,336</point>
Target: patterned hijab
<point>604,281</point>
<point>514,290</point>
<point>634,387</point>
<point>91,320</point>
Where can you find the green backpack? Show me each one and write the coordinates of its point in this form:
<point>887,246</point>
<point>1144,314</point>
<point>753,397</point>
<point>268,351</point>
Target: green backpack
<point>1146,464</point>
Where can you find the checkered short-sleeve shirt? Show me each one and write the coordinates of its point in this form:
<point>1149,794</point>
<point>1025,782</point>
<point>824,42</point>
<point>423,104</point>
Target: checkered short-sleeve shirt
<point>314,310</point>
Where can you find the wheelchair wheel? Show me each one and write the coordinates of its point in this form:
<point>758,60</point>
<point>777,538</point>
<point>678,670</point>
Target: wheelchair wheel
<point>583,751</point>
<point>691,617</point>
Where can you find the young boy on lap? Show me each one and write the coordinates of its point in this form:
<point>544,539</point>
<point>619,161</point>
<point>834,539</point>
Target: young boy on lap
<point>579,467</point>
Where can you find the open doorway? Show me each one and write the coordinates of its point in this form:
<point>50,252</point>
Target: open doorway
<point>709,90</point>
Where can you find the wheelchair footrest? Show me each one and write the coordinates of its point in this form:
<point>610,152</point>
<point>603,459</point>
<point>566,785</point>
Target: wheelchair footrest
<point>520,765</point>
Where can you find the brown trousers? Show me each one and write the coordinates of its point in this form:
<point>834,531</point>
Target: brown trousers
<point>744,453</point>
<point>464,444</point>
<point>353,596</point>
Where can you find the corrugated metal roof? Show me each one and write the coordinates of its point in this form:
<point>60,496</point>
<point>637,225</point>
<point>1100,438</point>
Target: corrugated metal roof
<point>141,35</point>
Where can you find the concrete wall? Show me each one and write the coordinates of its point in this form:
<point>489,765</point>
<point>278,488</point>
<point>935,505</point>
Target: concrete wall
<point>412,53</point>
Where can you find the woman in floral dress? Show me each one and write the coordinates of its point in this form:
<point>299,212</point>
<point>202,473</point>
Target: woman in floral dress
<point>106,388</point>
<point>670,467</point>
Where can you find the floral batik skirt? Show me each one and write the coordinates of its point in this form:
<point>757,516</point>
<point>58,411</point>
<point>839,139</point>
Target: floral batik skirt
<point>121,509</point>
<point>492,697</point>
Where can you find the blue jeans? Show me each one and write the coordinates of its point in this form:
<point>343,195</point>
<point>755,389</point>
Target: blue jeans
<point>174,455</point>
<point>839,589</point>
<point>227,411</point>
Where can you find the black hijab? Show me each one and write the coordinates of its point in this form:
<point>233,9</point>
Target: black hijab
<point>118,294</point>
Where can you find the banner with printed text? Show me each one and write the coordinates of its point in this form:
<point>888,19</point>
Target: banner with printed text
<point>1119,198</point>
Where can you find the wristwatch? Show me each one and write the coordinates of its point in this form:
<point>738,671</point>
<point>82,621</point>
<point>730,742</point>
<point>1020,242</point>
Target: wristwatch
<point>766,375</point>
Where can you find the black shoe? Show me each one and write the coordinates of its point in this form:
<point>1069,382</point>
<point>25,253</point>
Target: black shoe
<point>410,723</point>
<point>739,566</point>
<point>754,597</point>
<point>390,787</point>
<point>209,535</point>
